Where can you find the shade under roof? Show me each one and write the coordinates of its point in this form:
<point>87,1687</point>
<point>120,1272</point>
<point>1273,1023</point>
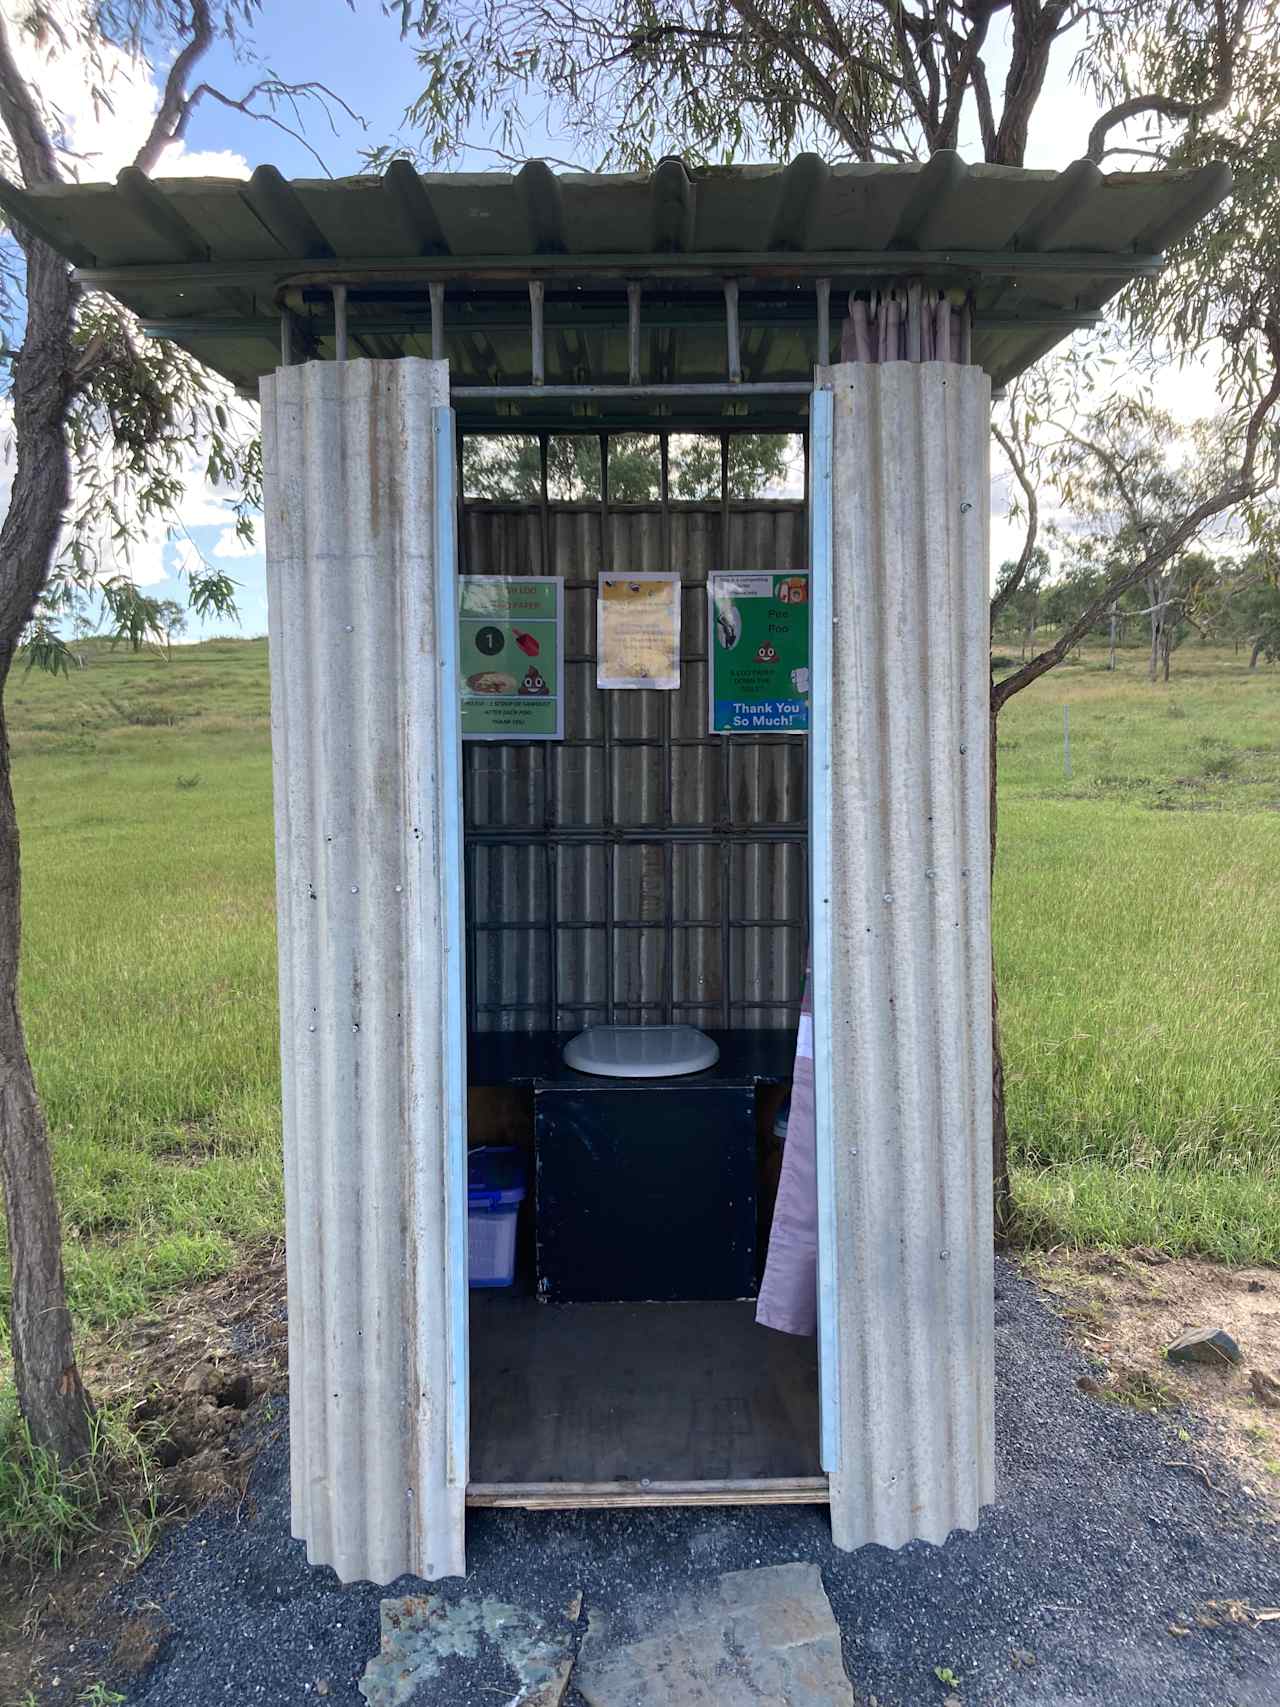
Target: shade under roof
<point>211,263</point>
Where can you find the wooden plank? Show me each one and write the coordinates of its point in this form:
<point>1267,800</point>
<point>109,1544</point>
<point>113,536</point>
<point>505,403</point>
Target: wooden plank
<point>624,1395</point>
<point>586,1496</point>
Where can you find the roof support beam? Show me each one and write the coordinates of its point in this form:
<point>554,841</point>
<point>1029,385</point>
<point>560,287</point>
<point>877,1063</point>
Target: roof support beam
<point>23,209</point>
<point>538,357</point>
<point>279,208</point>
<point>228,327</point>
<point>943,267</point>
<point>159,213</point>
<point>544,206</point>
<point>674,207</point>
<point>413,208</point>
<point>733,352</point>
<point>798,196</point>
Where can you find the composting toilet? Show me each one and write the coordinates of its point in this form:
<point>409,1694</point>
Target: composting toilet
<point>641,1051</point>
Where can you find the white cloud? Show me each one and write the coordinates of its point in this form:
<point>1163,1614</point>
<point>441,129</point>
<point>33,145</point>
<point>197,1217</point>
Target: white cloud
<point>104,110</point>
<point>178,161</point>
<point>230,544</point>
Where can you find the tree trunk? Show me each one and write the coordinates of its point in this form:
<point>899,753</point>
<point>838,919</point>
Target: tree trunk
<point>1166,648</point>
<point>53,1400</point>
<point>1001,1183</point>
<point>1111,658</point>
<point>50,1393</point>
<point>1258,644</point>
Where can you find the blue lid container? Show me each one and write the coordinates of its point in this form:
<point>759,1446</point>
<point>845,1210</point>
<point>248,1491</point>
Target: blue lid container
<point>495,1177</point>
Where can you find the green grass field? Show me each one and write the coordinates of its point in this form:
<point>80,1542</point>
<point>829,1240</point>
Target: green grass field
<point>1138,940</point>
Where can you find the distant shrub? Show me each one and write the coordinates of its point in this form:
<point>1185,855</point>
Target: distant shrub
<point>1001,661</point>
<point>188,782</point>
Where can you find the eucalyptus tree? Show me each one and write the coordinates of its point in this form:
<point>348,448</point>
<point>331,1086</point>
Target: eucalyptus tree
<point>1168,85</point>
<point>106,427</point>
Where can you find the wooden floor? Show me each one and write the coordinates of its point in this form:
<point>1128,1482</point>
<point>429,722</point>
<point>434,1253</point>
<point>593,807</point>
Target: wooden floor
<point>602,1395</point>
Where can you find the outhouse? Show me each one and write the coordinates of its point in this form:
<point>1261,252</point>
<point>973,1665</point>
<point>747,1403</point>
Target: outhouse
<point>504,823</point>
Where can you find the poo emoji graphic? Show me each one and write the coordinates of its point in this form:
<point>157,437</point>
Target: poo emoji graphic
<point>767,654</point>
<point>534,682</point>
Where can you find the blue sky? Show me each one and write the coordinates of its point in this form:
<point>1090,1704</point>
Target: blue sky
<point>356,52</point>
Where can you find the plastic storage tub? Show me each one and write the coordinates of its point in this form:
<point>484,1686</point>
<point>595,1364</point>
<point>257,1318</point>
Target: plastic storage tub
<point>495,1191</point>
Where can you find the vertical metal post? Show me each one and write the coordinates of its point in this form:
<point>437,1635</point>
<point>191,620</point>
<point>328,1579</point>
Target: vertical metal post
<point>340,323</point>
<point>824,322</point>
<point>537,290</point>
<point>436,292</point>
<point>544,502</point>
<point>821,450</point>
<point>668,804</point>
<point>610,702</point>
<point>286,338</point>
<point>726,779</point>
<point>731,330</point>
<point>633,334</point>
<point>453,971</point>
<point>470,897</point>
<point>1066,742</point>
<point>548,752</point>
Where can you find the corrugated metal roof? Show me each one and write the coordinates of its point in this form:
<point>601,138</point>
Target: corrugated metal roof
<point>211,262</point>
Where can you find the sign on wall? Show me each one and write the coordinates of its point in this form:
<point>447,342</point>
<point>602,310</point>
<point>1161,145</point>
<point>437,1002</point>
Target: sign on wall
<point>511,657</point>
<point>758,646</point>
<point>638,631</point>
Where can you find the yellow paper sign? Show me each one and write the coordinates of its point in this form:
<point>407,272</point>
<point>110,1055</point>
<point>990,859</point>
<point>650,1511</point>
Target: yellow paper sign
<point>638,631</point>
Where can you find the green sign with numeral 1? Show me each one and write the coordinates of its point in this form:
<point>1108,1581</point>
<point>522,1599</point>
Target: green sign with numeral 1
<point>758,646</point>
<point>511,657</point>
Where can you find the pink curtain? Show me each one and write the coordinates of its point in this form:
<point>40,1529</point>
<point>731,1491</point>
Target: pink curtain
<point>789,1292</point>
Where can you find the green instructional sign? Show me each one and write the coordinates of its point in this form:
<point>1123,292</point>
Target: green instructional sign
<point>511,657</point>
<point>758,645</point>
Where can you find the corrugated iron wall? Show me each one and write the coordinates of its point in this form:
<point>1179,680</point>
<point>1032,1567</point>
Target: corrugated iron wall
<point>641,870</point>
<point>359,532</point>
<point>902,952</point>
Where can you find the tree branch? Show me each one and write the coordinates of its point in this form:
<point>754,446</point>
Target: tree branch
<point>175,104</point>
<point>1242,487</point>
<point>1018,465</point>
<point>37,157</point>
<point>272,89</point>
<point>1227,37</point>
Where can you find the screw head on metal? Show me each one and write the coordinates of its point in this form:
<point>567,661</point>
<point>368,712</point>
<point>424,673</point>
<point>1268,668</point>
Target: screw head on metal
<point>963,748</point>
<point>399,888</point>
<point>888,899</point>
<point>355,888</point>
<point>350,628</point>
<point>966,506</point>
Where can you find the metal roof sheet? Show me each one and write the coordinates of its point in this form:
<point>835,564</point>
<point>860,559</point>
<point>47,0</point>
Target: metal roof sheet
<point>212,262</point>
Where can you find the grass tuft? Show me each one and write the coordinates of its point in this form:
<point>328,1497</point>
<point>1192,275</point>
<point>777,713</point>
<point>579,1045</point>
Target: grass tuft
<point>47,1512</point>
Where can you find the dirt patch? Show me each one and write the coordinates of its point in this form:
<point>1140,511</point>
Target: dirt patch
<point>1125,1308</point>
<point>187,1378</point>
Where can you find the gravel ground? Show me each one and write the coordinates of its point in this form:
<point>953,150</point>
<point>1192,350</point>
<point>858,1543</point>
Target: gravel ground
<point>1097,1545</point>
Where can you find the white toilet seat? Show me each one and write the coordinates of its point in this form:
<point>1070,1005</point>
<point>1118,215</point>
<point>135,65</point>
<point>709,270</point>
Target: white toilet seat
<point>641,1051</point>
